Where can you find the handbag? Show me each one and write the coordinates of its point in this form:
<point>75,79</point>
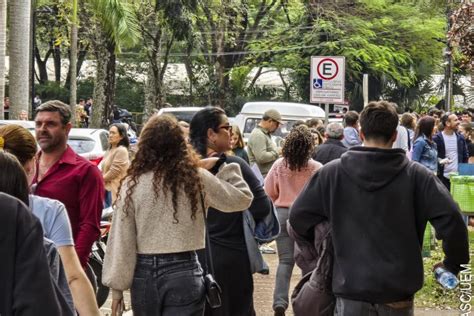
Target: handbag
<point>213,290</point>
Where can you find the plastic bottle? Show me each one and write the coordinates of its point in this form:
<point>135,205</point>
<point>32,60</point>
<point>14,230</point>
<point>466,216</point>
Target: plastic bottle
<point>445,278</point>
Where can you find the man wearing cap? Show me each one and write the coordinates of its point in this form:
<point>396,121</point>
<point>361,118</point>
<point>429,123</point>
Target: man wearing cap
<point>332,148</point>
<point>261,149</point>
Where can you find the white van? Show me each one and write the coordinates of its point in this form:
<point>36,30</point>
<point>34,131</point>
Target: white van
<point>252,112</point>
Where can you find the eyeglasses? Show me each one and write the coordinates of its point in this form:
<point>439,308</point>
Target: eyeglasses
<point>226,127</point>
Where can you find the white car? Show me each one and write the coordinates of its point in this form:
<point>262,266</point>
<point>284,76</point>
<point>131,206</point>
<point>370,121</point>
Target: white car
<point>29,125</point>
<point>90,143</point>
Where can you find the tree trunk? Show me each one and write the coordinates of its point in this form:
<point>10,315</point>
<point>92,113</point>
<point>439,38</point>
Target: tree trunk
<point>57,63</point>
<point>104,87</point>
<point>41,64</point>
<point>80,60</point>
<point>73,63</point>
<point>19,48</point>
<point>3,39</point>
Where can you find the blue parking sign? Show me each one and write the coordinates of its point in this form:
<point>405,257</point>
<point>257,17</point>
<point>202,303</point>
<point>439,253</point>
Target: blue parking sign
<point>317,83</point>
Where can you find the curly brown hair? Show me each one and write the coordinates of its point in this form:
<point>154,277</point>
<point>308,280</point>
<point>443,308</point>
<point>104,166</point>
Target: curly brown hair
<point>298,148</point>
<point>163,150</point>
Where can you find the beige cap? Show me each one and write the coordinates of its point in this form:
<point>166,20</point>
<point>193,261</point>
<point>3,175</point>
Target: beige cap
<point>274,115</point>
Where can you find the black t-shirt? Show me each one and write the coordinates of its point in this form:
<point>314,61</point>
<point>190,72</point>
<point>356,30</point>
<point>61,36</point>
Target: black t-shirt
<point>227,228</point>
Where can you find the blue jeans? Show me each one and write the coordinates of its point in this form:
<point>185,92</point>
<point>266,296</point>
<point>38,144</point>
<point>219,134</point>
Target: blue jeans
<point>345,307</point>
<point>168,285</point>
<point>286,261</point>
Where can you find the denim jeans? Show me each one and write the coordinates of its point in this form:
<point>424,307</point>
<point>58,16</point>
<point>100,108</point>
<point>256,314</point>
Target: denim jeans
<point>168,285</point>
<point>286,261</point>
<point>345,307</point>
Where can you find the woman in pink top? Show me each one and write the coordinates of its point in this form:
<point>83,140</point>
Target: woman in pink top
<point>283,184</point>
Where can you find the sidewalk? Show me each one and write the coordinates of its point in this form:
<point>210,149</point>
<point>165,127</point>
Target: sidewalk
<point>263,294</point>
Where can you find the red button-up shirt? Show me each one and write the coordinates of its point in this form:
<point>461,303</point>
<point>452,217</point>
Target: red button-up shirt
<point>78,184</point>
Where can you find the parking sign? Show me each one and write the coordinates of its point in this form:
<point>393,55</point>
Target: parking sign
<point>327,79</point>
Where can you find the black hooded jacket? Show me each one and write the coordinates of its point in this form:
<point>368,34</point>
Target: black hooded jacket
<point>378,204</point>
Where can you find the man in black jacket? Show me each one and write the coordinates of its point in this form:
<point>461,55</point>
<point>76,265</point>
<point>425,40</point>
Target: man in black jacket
<point>378,204</point>
<point>332,148</point>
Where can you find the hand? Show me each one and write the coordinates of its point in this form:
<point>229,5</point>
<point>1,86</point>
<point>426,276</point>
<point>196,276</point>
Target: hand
<point>439,264</point>
<point>445,161</point>
<point>208,163</point>
<point>117,307</point>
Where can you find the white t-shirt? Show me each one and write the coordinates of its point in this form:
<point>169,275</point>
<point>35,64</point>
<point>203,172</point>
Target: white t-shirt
<point>451,145</point>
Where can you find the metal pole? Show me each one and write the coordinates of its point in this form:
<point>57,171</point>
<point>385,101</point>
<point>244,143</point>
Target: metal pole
<point>365,89</point>
<point>326,113</point>
<point>33,47</point>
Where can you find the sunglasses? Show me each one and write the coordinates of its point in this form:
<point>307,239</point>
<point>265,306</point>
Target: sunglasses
<point>226,127</point>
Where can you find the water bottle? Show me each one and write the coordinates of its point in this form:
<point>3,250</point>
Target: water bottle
<point>446,278</point>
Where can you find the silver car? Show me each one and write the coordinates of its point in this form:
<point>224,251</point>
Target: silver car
<point>90,143</point>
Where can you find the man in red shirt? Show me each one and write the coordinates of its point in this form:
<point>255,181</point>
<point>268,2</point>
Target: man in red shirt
<point>65,176</point>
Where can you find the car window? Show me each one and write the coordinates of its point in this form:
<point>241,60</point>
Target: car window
<point>186,116</point>
<point>282,131</point>
<point>81,145</point>
<point>104,139</point>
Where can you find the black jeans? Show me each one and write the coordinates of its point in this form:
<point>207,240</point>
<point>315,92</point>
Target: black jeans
<point>168,285</point>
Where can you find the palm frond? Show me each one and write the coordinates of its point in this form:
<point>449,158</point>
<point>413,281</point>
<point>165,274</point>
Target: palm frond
<point>118,21</point>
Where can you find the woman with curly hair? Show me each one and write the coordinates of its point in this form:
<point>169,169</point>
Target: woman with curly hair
<point>210,134</point>
<point>159,222</point>
<point>283,184</point>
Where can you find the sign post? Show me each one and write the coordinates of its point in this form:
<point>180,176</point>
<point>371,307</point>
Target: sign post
<point>327,80</point>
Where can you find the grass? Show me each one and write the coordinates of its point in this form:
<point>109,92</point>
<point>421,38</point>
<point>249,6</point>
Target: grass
<point>432,295</point>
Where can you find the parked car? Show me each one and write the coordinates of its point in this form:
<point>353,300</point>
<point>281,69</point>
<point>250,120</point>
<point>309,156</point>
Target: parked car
<point>29,125</point>
<point>181,113</point>
<point>89,143</point>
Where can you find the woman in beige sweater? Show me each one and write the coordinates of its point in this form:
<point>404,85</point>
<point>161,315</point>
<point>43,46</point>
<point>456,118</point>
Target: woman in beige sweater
<point>116,159</point>
<point>159,222</point>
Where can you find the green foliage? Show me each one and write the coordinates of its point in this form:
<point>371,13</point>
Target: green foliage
<point>432,295</point>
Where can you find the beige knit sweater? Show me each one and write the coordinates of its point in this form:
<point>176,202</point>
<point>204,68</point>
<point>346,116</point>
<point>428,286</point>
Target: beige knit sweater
<point>114,168</point>
<point>149,228</point>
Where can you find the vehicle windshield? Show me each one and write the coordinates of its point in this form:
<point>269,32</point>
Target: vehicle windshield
<point>81,145</point>
<point>186,116</point>
<point>282,131</point>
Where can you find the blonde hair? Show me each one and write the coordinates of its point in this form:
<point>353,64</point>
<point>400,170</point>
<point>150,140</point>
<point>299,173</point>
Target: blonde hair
<point>240,139</point>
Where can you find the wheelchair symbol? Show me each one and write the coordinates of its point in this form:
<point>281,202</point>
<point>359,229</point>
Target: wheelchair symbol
<point>317,83</point>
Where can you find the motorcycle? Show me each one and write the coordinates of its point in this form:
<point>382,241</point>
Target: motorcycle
<point>96,258</point>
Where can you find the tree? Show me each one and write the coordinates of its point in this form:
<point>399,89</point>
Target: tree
<point>161,24</point>
<point>394,42</point>
<point>112,25</point>
<point>3,42</point>
<point>19,48</point>
<point>225,31</point>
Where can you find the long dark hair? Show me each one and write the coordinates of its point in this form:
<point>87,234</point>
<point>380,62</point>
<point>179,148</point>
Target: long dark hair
<point>163,150</point>
<point>298,148</point>
<point>13,178</point>
<point>425,127</point>
<point>209,117</point>
<point>123,133</point>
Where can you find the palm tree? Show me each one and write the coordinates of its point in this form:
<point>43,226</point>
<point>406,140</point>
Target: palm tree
<point>113,26</point>
<point>19,52</point>
<point>3,39</point>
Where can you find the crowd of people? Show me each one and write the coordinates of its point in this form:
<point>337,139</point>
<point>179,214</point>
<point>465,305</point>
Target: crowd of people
<point>196,201</point>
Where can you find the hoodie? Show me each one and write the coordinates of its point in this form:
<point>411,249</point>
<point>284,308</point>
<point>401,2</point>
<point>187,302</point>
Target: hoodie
<point>378,204</point>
